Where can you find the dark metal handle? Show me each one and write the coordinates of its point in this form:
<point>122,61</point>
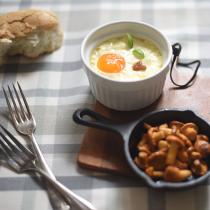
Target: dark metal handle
<point>99,121</point>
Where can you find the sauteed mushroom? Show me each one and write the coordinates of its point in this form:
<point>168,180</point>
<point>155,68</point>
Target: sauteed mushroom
<point>175,125</point>
<point>202,147</point>
<point>155,135</point>
<point>155,174</point>
<point>163,145</point>
<point>183,156</point>
<point>190,130</point>
<point>174,174</point>
<point>175,144</point>
<point>181,165</point>
<point>199,168</point>
<point>157,160</point>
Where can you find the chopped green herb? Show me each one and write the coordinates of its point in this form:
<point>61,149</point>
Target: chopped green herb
<point>129,40</point>
<point>138,53</point>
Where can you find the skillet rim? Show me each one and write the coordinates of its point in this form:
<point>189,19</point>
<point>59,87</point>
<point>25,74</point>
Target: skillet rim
<point>143,175</point>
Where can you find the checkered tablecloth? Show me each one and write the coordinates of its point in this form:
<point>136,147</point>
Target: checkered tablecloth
<point>56,85</point>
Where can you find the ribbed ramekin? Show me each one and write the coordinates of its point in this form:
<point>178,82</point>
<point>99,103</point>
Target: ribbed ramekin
<point>126,95</point>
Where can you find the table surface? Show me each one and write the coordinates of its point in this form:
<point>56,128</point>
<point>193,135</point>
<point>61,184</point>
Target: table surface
<point>56,85</point>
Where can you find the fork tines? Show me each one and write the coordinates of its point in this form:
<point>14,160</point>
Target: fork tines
<point>15,106</point>
<point>12,149</point>
<point>14,140</point>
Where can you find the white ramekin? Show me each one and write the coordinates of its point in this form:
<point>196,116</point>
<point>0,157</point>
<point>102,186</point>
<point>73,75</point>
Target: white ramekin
<point>126,95</point>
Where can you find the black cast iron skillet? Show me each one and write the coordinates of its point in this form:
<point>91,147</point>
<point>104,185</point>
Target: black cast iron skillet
<point>131,133</point>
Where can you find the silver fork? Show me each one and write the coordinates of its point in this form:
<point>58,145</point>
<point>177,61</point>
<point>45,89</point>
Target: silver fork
<point>21,160</point>
<point>25,123</point>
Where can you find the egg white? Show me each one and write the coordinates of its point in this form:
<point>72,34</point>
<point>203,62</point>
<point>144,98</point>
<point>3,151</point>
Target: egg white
<point>153,58</point>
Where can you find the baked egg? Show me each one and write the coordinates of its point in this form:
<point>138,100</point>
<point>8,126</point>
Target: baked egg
<point>126,58</point>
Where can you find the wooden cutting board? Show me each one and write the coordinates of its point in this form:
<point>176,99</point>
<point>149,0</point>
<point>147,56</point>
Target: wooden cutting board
<point>103,151</point>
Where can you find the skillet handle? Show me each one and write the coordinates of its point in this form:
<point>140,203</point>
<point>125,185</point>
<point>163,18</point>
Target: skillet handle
<point>98,121</point>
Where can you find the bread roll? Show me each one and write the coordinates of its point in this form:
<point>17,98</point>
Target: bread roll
<point>29,32</point>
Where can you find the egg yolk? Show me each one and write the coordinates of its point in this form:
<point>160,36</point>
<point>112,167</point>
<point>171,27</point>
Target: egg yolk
<point>111,63</point>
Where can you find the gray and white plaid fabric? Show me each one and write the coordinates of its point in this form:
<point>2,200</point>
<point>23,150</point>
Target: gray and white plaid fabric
<point>56,85</point>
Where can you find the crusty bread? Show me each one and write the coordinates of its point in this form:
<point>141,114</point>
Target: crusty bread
<point>29,32</point>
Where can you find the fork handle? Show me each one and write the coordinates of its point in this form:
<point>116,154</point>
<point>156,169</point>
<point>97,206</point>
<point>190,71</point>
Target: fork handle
<point>41,160</point>
<point>73,199</point>
<point>56,200</point>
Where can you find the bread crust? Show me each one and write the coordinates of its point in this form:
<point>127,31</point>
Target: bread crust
<point>20,23</point>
